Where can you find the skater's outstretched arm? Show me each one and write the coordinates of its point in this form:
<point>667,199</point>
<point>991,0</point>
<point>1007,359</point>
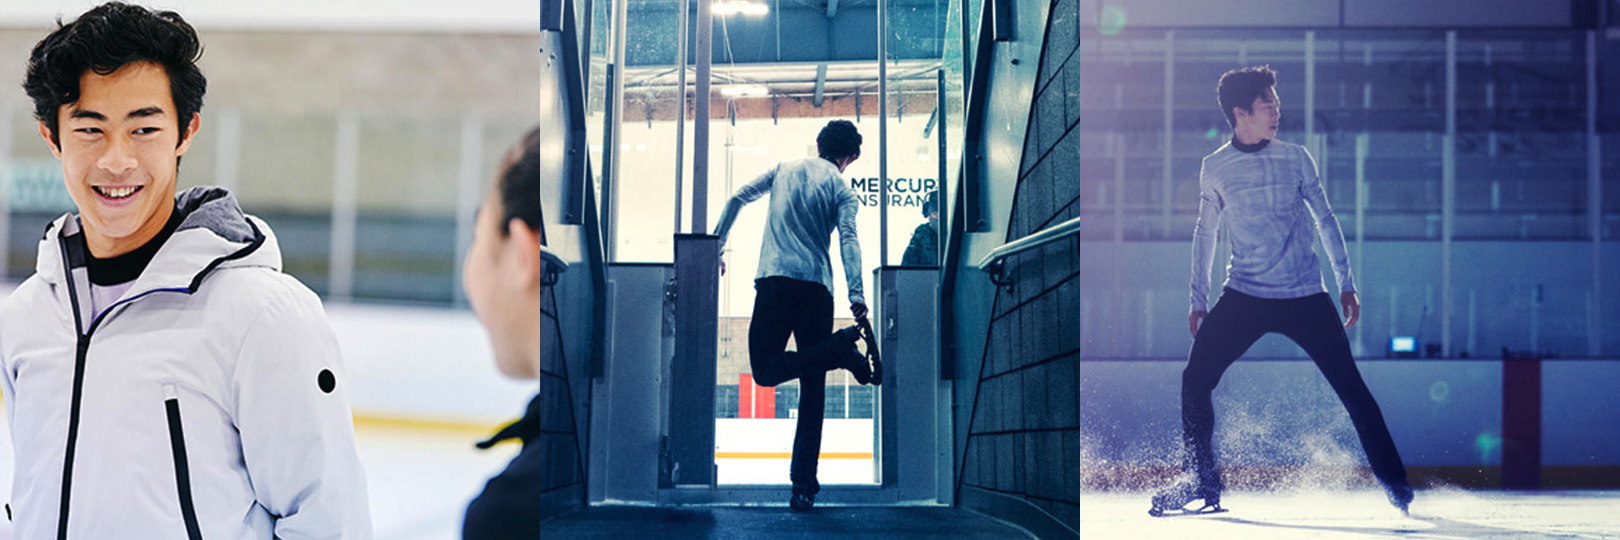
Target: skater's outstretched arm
<point>1210,205</point>
<point>1327,227</point>
<point>850,247</point>
<point>750,192</point>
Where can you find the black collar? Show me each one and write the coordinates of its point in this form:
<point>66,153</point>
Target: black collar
<point>1250,148</point>
<point>125,268</point>
<point>524,429</point>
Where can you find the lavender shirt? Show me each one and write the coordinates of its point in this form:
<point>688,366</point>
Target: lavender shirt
<point>809,200</point>
<point>1271,195</point>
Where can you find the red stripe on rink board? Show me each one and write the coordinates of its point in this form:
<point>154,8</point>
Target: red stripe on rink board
<point>789,455</point>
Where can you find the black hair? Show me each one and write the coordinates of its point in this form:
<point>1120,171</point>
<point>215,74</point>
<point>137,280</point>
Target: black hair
<point>839,140</point>
<point>109,37</point>
<point>520,186</point>
<point>1239,87</point>
<point>930,204</point>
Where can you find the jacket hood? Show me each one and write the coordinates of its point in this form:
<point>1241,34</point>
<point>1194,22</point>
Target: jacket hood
<point>213,234</point>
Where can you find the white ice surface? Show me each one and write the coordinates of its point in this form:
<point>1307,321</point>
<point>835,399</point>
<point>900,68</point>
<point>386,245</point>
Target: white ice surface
<point>1324,515</point>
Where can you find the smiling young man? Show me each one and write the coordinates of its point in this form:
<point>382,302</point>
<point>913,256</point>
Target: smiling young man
<point>1271,196</point>
<point>163,378</point>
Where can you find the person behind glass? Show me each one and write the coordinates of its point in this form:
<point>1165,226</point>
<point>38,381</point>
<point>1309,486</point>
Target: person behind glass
<point>1271,197</point>
<point>165,379</point>
<point>924,247</point>
<point>793,288</point>
<point>502,277</point>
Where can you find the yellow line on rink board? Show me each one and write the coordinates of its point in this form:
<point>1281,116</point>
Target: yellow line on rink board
<point>477,429</point>
<point>789,455</point>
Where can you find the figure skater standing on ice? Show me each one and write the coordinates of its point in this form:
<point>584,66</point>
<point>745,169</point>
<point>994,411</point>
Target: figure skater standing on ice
<point>1270,194</point>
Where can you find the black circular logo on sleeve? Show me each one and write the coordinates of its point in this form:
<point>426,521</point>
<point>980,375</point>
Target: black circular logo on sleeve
<point>327,380</point>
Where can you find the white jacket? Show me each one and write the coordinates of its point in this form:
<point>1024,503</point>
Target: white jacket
<point>209,402</point>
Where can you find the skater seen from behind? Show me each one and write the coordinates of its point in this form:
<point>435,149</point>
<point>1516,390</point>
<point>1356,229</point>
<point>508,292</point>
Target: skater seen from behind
<point>1271,196</point>
<point>809,200</point>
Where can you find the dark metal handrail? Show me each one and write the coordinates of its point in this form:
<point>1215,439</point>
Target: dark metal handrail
<point>992,263</point>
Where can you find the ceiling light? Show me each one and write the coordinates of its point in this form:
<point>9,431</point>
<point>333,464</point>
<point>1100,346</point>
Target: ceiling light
<point>740,7</point>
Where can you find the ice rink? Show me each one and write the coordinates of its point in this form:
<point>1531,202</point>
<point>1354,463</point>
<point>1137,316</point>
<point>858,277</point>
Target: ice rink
<point>1436,514</point>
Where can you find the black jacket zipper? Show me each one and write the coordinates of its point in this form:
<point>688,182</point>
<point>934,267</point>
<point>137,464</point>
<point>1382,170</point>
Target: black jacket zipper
<point>73,425</point>
<point>78,380</point>
<point>182,472</point>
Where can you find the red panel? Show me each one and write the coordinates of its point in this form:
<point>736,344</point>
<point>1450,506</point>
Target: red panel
<point>764,402</point>
<point>745,396</point>
<point>1521,423</point>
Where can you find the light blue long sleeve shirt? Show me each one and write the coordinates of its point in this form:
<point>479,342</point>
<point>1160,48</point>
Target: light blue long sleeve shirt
<point>1270,199</point>
<point>809,199</point>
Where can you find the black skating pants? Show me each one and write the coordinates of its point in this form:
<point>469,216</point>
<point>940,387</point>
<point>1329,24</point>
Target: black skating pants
<point>1312,322</point>
<point>784,306</point>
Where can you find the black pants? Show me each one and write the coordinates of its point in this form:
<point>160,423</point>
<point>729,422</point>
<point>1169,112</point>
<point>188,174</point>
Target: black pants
<point>784,306</point>
<point>1239,320</point>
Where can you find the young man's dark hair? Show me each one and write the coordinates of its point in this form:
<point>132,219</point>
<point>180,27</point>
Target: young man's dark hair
<point>107,38</point>
<point>1239,87</point>
<point>520,185</point>
<point>839,140</point>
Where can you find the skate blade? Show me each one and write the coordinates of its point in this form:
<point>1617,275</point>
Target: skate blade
<point>874,360</point>
<point>1181,512</point>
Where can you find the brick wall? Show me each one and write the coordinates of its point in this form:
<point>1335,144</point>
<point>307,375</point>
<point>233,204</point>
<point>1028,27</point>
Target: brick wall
<point>1023,440</point>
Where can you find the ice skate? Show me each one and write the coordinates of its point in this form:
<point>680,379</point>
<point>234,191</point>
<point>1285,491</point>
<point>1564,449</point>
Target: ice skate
<point>846,356</point>
<point>866,368</point>
<point>1173,500</point>
<point>1400,497</point>
<point>875,360</point>
<point>802,499</point>
<point>848,334</point>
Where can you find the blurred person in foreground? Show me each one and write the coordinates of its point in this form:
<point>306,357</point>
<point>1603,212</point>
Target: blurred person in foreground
<point>164,378</point>
<point>504,268</point>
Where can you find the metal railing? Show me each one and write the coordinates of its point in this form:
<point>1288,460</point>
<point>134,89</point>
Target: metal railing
<point>553,266</point>
<point>993,263</point>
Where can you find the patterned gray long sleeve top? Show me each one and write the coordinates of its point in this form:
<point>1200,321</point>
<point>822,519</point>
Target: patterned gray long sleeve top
<point>1270,194</point>
<point>809,199</point>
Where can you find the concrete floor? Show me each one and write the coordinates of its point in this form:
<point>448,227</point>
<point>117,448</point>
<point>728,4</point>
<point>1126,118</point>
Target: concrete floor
<point>1324,515</point>
<point>724,523</point>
